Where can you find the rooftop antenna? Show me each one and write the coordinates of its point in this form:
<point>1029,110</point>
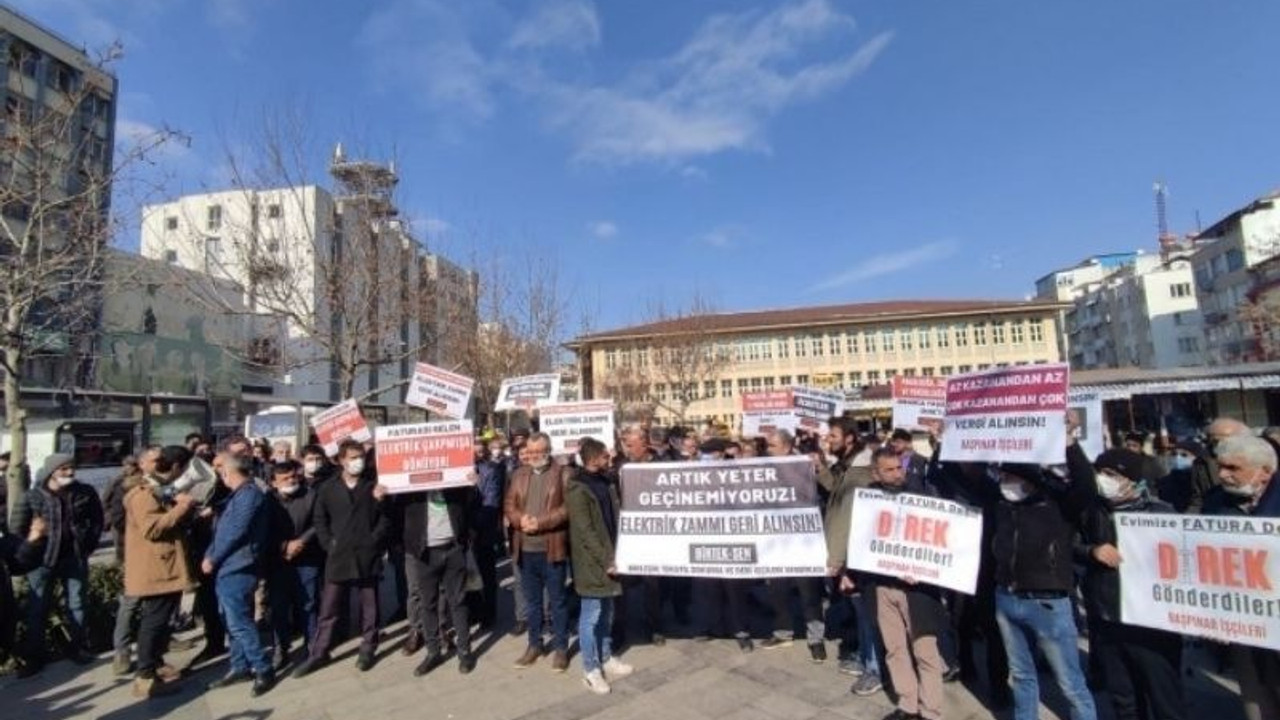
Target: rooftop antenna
<point>1166,240</point>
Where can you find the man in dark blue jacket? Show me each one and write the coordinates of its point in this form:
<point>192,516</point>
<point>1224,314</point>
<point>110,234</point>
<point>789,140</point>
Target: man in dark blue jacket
<point>239,537</point>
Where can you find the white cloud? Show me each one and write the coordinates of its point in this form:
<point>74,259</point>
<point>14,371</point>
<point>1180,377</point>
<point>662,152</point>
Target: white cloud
<point>96,24</point>
<point>718,92</point>
<point>160,144</point>
<point>435,226</point>
<point>721,238</point>
<point>569,24</point>
<point>888,264</point>
<point>604,230</point>
<point>693,172</point>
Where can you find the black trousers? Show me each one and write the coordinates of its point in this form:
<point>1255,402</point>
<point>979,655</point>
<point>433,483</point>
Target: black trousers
<point>722,603</point>
<point>333,598</point>
<point>487,551</point>
<point>1142,669</point>
<point>153,631</point>
<point>975,616</point>
<point>810,591</point>
<point>654,591</point>
<point>206,606</point>
<point>441,571</point>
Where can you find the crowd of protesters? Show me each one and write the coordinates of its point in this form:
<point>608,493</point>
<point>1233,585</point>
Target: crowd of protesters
<point>274,547</point>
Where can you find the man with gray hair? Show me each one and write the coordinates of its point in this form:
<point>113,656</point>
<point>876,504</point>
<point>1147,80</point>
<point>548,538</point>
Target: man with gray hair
<point>780,444</point>
<point>1247,473</point>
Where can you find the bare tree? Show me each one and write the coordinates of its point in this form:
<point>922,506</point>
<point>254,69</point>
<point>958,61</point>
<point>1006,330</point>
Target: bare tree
<point>677,363</point>
<point>332,281</point>
<point>57,173</point>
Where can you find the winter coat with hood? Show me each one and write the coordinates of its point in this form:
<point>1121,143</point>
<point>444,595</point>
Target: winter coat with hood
<point>79,521</point>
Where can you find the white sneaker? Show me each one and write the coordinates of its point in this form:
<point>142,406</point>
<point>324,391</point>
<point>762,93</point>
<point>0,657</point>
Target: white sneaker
<point>596,683</point>
<point>615,668</point>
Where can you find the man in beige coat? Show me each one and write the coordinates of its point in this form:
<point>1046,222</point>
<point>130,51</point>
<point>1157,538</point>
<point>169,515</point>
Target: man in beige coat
<point>155,566</point>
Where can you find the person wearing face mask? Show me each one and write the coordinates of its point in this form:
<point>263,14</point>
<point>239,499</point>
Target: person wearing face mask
<point>75,521</point>
<point>1188,479</point>
<point>1140,666</point>
<point>316,467</point>
<point>352,526</point>
<point>491,486</point>
<point>1249,485</point>
<point>294,571</point>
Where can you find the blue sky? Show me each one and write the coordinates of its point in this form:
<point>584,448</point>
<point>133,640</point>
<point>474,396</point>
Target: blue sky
<point>762,154</point>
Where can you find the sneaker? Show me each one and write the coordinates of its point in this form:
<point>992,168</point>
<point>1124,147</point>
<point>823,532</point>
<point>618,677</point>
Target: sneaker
<point>121,664</point>
<point>615,668</point>
<point>866,685</point>
<point>365,662</point>
<point>818,653</point>
<point>774,642</point>
<point>851,666</point>
<point>745,644</point>
<point>596,683</point>
<point>560,661</point>
<point>530,656</point>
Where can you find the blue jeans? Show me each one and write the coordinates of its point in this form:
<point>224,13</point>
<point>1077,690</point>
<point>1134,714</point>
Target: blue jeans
<point>73,572</point>
<point>294,592</point>
<point>1050,624</point>
<point>869,651</point>
<point>537,575</point>
<point>235,602</point>
<point>595,637</point>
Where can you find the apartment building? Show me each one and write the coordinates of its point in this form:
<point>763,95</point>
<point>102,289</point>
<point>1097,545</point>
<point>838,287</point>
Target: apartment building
<point>693,369</point>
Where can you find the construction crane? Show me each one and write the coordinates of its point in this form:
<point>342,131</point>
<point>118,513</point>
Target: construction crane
<point>1166,240</point>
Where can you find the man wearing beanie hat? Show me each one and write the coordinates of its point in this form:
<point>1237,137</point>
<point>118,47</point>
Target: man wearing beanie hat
<point>74,517</point>
<point>1139,665</point>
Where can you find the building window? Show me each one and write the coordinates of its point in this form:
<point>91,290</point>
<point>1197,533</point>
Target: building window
<point>945,370</point>
<point>742,385</point>
<point>171,256</point>
<point>213,219</point>
<point>1188,345</point>
<point>1235,259</point>
<point>962,335</point>
<point>802,379</point>
<point>784,348</point>
<point>890,373</point>
<point>802,350</point>
<point>709,389</point>
<point>869,343</point>
<point>815,345</point>
<point>980,334</point>
<point>966,369</point>
<point>768,383</point>
<point>726,388</point>
<point>873,377</point>
<point>611,359</point>
<point>927,372</point>
<point>922,338</point>
<point>1180,290</point>
<point>757,384</point>
<point>886,340</point>
<point>833,345</point>
<point>784,380</point>
<point>984,366</point>
<point>909,372</point>
<point>1016,333</point>
<point>905,340</point>
<point>212,253</point>
<point>851,343</point>
<point>642,358</point>
<point>171,223</point>
<point>944,336</point>
<point>855,379</point>
<point>997,333</point>
<point>660,392</point>
<point>273,212</point>
<point>1037,332</point>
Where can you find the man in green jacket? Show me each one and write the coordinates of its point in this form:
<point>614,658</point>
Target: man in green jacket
<point>591,500</point>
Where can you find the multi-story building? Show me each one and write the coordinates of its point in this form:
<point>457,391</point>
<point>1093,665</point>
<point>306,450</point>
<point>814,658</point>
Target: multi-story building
<point>334,280</point>
<point>1227,253</point>
<point>450,315</point>
<point>1142,315</point>
<point>1063,285</point>
<point>697,368</point>
<point>56,161</point>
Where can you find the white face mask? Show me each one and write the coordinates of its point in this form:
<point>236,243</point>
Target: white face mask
<point>288,490</point>
<point>1014,491</point>
<point>64,480</point>
<point>355,467</point>
<point>1110,487</point>
<point>311,467</point>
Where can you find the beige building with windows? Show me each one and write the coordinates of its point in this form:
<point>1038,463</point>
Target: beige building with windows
<point>696,368</point>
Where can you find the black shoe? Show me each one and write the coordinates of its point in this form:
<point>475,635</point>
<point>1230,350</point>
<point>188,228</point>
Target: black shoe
<point>520,628</point>
<point>466,663</point>
<point>899,715</point>
<point>951,675</point>
<point>307,667</point>
<point>279,658</point>
<point>658,639</point>
<point>231,678</point>
<point>262,684</point>
<point>429,663</point>
<point>745,644</point>
<point>365,662</point>
<point>818,653</point>
<point>412,644</point>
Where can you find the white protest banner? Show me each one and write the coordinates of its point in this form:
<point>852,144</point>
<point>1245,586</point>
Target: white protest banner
<point>723,519</point>
<point>1208,576</point>
<point>762,422</point>
<point>767,400</point>
<point>816,406</point>
<point>1087,409</point>
<point>1015,414</point>
<point>438,390</point>
<point>340,422</point>
<point>425,456</point>
<point>528,392</point>
<point>567,423</point>
<point>927,539</point>
<point>919,403</point>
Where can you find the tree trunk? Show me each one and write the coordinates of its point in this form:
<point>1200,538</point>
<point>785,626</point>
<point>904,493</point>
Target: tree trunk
<point>16,424</point>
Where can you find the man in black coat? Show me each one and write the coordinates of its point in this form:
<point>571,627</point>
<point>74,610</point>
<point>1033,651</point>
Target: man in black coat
<point>17,556</point>
<point>75,518</point>
<point>352,528</point>
<point>436,530</point>
<point>295,566</point>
